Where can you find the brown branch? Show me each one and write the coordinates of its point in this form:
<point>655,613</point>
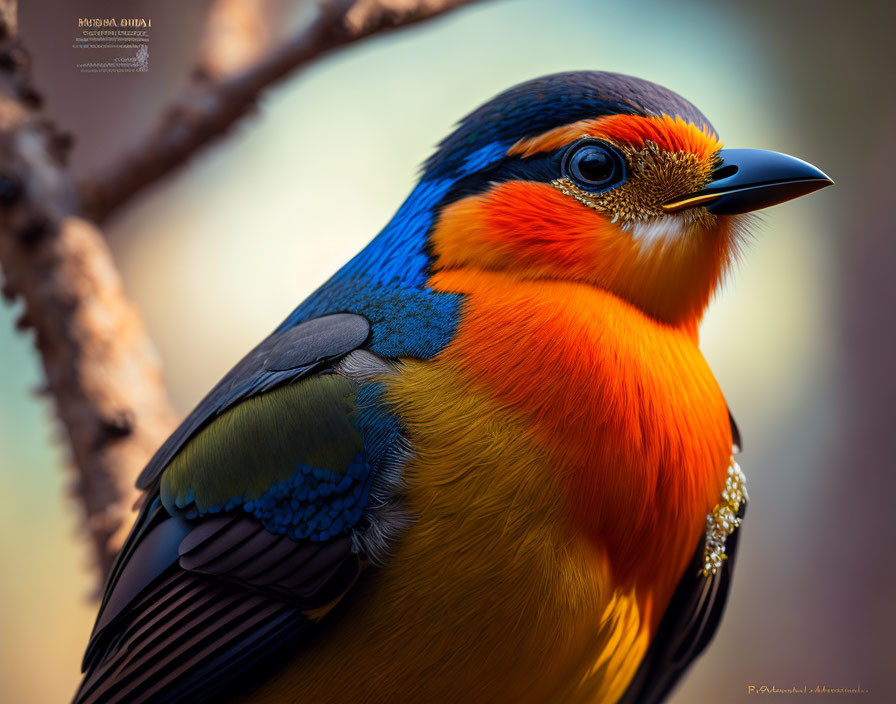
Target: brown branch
<point>209,108</point>
<point>235,35</point>
<point>100,366</point>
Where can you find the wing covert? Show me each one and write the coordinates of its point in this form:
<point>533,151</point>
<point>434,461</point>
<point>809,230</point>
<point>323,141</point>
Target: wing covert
<point>260,516</point>
<point>282,357</point>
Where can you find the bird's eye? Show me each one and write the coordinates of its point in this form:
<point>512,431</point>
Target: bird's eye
<point>593,165</point>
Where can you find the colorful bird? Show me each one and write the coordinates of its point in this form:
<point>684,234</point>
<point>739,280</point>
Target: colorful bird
<point>486,461</point>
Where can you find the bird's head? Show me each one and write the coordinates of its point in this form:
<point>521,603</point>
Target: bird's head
<point>602,179</point>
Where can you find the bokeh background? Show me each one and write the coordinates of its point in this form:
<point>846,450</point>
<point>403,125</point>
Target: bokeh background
<point>801,339</point>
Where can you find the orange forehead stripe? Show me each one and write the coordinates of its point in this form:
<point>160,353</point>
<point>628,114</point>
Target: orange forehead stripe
<point>669,133</point>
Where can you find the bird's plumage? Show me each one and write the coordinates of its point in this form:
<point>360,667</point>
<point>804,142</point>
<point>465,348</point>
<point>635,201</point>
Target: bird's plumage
<point>275,539</point>
<point>478,463</point>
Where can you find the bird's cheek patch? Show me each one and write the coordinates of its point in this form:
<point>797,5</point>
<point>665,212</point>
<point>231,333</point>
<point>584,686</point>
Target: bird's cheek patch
<point>544,232</point>
<point>459,237</point>
<point>514,224</point>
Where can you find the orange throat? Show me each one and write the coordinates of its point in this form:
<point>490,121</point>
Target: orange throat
<point>626,406</point>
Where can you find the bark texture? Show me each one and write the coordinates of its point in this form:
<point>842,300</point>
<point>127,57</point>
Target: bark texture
<point>102,371</point>
<point>100,366</point>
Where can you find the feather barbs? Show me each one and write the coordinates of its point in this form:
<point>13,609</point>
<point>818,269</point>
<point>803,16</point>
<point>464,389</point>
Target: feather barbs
<point>638,427</point>
<point>671,134</point>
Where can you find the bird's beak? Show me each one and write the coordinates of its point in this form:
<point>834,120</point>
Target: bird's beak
<point>751,179</point>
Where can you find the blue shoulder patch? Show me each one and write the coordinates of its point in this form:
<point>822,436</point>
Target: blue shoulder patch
<point>386,283</point>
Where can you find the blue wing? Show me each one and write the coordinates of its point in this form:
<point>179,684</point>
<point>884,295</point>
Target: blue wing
<point>257,510</point>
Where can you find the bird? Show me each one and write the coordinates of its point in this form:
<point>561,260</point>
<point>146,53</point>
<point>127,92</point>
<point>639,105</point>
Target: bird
<point>486,461</point>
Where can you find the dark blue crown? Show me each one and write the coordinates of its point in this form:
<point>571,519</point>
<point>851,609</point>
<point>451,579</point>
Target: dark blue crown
<point>541,104</point>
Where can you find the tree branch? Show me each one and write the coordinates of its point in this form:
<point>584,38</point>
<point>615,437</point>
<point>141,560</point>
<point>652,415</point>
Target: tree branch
<point>210,107</point>
<point>236,35</point>
<point>100,366</point>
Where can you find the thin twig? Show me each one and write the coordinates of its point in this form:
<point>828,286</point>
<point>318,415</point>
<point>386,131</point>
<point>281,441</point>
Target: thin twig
<point>209,108</point>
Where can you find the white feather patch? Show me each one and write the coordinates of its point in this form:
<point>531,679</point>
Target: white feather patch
<point>387,516</point>
<point>660,231</point>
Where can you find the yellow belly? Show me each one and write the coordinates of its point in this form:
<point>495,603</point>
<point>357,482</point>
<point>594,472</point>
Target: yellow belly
<point>488,597</point>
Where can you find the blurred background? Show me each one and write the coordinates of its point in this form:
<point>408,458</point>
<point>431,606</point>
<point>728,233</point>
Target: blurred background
<point>801,340</point>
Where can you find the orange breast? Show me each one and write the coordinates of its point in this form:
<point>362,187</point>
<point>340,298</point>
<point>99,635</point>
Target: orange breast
<point>486,597</point>
<point>566,450</point>
<point>627,407</point>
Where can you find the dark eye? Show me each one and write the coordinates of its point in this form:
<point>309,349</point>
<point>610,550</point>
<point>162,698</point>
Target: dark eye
<point>593,165</point>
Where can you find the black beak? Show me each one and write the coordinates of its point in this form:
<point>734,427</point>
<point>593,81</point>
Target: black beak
<point>750,179</point>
